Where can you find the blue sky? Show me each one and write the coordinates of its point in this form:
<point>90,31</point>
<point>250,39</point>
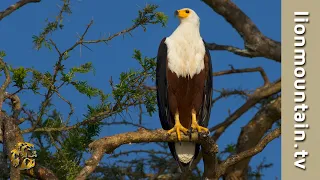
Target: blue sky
<point>110,60</point>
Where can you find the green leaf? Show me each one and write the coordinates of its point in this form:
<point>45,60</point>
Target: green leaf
<point>2,54</point>
<point>84,88</point>
<point>19,76</point>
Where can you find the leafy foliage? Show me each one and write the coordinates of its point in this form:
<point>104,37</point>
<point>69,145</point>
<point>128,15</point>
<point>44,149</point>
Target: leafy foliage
<point>19,76</point>
<point>149,16</point>
<point>63,151</point>
<point>52,26</point>
<point>2,54</point>
<point>131,86</point>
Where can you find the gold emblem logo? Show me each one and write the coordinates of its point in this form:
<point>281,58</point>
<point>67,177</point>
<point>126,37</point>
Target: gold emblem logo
<point>24,156</point>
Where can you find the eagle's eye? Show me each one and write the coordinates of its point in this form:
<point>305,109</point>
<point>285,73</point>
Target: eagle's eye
<point>187,11</point>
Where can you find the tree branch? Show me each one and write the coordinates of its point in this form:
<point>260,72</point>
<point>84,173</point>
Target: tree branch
<point>248,153</point>
<point>11,137</point>
<point>110,143</point>
<point>252,133</point>
<point>15,104</point>
<point>245,70</point>
<point>3,66</point>
<point>15,7</point>
<point>225,93</point>
<point>255,42</point>
<point>6,83</point>
<point>258,95</point>
<point>126,153</point>
<point>40,172</point>
<point>234,50</point>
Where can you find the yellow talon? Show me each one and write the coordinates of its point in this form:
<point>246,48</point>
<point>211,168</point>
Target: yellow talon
<point>178,127</point>
<point>195,124</point>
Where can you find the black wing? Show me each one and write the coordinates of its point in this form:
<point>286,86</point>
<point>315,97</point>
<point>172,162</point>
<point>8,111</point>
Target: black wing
<point>205,109</point>
<point>162,87</point>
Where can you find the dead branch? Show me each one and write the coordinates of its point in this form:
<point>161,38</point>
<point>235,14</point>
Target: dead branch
<point>255,42</point>
<point>110,143</point>
<point>16,6</point>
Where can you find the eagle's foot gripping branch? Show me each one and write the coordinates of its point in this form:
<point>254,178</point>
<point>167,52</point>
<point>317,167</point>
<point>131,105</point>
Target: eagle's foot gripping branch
<point>196,126</point>
<point>178,127</point>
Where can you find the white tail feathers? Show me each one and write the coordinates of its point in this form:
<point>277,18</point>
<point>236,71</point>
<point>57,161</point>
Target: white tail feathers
<point>185,151</point>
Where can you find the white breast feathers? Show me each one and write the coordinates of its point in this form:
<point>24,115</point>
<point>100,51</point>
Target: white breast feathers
<point>186,50</point>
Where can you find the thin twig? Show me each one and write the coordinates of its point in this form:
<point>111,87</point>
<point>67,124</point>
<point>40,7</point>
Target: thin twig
<point>245,70</point>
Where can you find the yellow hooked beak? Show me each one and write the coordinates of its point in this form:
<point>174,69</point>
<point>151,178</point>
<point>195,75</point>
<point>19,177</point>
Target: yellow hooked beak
<point>182,13</point>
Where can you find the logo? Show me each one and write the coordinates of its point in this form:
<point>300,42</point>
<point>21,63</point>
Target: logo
<point>23,156</point>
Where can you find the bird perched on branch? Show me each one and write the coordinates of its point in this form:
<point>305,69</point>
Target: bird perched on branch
<point>184,85</point>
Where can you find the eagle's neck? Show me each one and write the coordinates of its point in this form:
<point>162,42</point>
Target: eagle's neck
<point>186,50</point>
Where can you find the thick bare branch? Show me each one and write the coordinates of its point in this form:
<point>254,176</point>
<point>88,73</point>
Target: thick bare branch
<point>11,137</point>
<point>252,133</point>
<point>254,40</point>
<point>15,7</point>
<point>109,144</point>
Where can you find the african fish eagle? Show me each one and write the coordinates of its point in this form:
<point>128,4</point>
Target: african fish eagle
<point>184,85</point>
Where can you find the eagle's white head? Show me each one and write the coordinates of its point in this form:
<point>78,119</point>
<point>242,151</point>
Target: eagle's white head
<point>187,15</point>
